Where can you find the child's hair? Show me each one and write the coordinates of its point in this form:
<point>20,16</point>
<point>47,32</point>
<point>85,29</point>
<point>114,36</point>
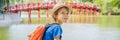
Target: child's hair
<point>56,12</point>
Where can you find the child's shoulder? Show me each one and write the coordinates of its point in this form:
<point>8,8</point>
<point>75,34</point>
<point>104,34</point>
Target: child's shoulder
<point>55,26</point>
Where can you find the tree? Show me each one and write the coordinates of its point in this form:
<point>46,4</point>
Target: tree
<point>2,3</point>
<point>115,5</point>
<point>106,5</point>
<point>87,0</point>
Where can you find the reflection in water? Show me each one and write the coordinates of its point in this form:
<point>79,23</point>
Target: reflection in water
<point>109,34</point>
<point>70,32</point>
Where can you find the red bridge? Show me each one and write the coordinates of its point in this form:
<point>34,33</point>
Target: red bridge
<point>84,8</point>
<point>38,6</point>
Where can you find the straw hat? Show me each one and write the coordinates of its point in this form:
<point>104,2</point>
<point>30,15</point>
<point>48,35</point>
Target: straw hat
<point>59,5</point>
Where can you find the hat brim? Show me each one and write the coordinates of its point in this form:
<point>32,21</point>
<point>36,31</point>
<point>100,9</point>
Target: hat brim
<point>58,7</point>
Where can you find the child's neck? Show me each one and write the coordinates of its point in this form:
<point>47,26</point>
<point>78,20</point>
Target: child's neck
<point>58,22</point>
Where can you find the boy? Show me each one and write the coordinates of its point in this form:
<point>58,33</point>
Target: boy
<point>60,15</point>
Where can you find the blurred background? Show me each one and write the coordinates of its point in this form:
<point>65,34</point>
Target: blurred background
<point>88,19</point>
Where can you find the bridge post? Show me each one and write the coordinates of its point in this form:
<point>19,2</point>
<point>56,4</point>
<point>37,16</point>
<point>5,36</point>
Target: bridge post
<point>47,14</point>
<point>39,16</point>
<point>39,8</point>
<point>29,13</point>
<point>29,16</point>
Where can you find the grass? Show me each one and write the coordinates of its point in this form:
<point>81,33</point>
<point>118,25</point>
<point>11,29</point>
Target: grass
<point>3,33</point>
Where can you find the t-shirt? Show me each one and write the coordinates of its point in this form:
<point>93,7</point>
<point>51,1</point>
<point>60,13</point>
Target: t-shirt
<point>52,32</point>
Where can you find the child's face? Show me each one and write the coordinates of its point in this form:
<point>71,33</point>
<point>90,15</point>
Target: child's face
<point>62,15</point>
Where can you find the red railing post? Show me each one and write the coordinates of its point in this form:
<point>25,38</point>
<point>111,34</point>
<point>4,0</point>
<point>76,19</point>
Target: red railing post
<point>29,13</point>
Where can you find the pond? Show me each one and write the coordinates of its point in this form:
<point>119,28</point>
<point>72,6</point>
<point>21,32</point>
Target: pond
<point>70,32</point>
<point>106,28</point>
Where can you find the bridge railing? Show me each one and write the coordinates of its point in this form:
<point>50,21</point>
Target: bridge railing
<point>80,11</point>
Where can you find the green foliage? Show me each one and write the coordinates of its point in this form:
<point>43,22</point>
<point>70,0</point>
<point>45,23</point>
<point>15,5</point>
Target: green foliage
<point>1,5</point>
<point>98,2</point>
<point>108,6</point>
<point>15,1</point>
<point>114,3</point>
<point>87,0</point>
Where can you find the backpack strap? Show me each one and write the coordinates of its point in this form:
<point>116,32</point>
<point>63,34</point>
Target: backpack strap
<point>54,24</point>
<point>49,25</point>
